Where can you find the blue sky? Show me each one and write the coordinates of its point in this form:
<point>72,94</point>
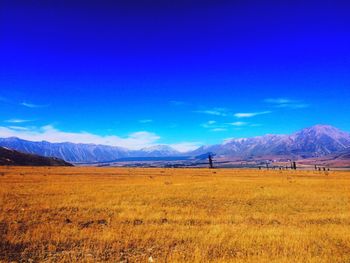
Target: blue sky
<point>183,73</point>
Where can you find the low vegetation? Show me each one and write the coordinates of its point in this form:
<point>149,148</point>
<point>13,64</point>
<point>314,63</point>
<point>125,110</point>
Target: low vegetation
<point>64,214</point>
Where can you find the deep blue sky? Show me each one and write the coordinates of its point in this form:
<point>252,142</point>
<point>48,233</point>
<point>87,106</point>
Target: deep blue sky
<point>178,70</point>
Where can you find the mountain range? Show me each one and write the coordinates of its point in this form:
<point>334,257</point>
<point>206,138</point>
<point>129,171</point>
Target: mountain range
<point>316,141</point>
<point>84,153</point>
<point>313,142</point>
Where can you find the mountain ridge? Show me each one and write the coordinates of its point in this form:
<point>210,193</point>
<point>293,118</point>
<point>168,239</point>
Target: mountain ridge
<point>81,152</point>
<point>315,141</point>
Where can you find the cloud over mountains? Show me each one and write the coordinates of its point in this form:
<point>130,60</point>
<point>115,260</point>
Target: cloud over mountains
<point>133,141</point>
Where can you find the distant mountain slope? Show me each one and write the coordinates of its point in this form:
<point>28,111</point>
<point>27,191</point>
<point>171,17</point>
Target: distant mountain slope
<point>84,153</point>
<point>158,151</point>
<point>12,157</point>
<point>319,140</point>
<point>316,141</point>
<point>337,159</point>
<point>70,152</point>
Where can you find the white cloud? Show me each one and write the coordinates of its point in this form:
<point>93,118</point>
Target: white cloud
<point>218,129</point>
<point>286,103</point>
<point>17,120</point>
<point>250,114</point>
<point>208,124</point>
<point>186,146</point>
<point>214,126</point>
<point>145,121</point>
<point>293,106</point>
<point>31,105</point>
<point>134,140</point>
<point>214,111</point>
<point>238,123</point>
<point>279,100</point>
<point>18,128</point>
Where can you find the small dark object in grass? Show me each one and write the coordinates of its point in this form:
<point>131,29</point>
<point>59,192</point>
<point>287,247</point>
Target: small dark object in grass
<point>164,220</point>
<point>102,222</point>
<point>85,224</point>
<point>138,222</point>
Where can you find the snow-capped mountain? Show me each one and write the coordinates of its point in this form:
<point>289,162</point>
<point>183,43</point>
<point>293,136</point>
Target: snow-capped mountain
<point>84,153</point>
<point>320,140</point>
<point>159,151</point>
<point>315,141</point>
<point>67,151</point>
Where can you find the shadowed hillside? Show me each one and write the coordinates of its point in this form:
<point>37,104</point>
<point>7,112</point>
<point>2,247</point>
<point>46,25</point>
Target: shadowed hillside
<point>12,157</point>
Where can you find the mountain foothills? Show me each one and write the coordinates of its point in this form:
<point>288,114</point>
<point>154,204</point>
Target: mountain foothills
<point>337,159</point>
<point>313,142</point>
<point>12,157</point>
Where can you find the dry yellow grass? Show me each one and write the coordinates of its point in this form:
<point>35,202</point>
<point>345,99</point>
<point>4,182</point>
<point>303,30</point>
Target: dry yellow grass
<point>173,215</point>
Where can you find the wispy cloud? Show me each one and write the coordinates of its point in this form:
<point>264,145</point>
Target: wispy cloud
<point>20,128</point>
<point>278,100</point>
<point>145,121</point>
<point>214,111</point>
<point>214,126</point>
<point>208,124</point>
<point>49,133</point>
<point>286,103</point>
<point>17,121</point>
<point>218,129</point>
<point>250,114</point>
<point>32,105</point>
<point>238,123</point>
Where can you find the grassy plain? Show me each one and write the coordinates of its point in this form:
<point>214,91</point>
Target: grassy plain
<point>173,215</point>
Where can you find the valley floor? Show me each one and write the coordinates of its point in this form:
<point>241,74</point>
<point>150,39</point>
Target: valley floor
<point>77,214</point>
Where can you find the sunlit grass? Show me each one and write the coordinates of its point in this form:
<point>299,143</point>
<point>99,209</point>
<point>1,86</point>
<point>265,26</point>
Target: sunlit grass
<point>173,215</point>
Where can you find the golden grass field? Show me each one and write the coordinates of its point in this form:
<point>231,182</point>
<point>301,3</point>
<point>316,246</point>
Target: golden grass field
<point>173,215</point>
